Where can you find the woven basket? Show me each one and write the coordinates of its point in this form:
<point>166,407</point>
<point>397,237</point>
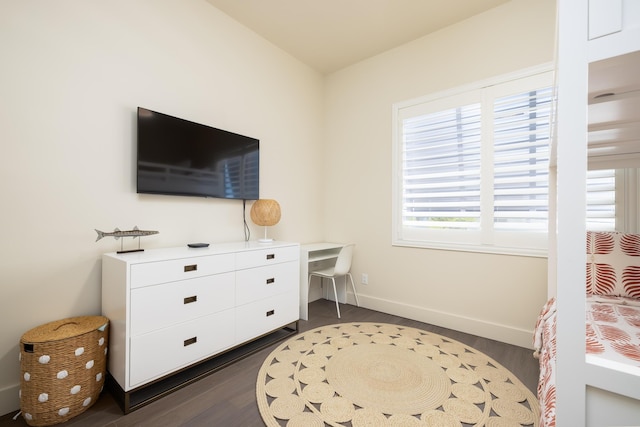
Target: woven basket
<point>63,366</point>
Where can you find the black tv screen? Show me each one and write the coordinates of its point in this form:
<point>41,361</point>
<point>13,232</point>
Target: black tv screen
<point>179,157</point>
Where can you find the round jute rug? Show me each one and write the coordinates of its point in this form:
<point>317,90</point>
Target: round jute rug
<point>369,374</point>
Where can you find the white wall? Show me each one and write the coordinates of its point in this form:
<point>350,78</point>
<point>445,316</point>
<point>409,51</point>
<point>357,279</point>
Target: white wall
<point>72,74</point>
<point>490,295</point>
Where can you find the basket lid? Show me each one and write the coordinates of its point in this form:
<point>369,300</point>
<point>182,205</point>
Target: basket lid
<point>64,328</point>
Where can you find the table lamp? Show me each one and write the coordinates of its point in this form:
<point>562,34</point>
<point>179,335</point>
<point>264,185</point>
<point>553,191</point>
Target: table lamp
<point>265,212</point>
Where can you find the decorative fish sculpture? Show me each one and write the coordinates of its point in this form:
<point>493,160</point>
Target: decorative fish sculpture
<point>117,233</point>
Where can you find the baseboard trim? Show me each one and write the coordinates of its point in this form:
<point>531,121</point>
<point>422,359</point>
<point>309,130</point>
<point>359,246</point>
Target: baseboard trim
<point>10,399</point>
<point>494,331</point>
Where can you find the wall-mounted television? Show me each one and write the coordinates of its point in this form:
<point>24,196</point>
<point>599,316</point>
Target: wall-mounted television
<point>180,157</point>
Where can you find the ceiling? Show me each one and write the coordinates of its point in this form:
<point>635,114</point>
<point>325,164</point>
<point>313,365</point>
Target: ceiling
<point>329,35</point>
<point>332,34</point>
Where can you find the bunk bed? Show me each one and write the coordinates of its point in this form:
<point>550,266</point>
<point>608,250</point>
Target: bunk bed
<point>585,380</point>
<point>612,314</point>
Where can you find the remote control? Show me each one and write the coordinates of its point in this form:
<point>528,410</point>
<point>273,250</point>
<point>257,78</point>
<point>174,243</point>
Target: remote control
<point>198,245</point>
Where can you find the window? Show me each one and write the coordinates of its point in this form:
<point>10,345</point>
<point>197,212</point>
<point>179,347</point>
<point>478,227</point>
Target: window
<point>613,201</point>
<point>471,167</point>
<point>601,200</point>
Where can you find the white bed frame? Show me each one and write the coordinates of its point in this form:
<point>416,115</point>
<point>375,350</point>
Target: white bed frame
<point>590,392</point>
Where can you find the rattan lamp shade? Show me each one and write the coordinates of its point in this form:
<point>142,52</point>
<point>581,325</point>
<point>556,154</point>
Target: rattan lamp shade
<point>265,212</point>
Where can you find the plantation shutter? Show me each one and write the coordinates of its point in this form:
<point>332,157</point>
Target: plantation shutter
<point>521,131</point>
<point>471,167</point>
<point>601,200</point>
<point>441,169</point>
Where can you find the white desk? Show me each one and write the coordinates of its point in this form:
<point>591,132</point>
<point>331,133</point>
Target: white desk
<point>316,256</point>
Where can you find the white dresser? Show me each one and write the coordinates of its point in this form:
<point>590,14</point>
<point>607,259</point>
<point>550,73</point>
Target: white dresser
<point>171,309</point>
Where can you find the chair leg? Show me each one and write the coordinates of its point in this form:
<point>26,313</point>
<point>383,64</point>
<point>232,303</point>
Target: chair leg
<point>353,286</point>
<point>335,293</point>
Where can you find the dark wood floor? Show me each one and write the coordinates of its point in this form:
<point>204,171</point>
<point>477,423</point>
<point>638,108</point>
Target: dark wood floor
<point>227,397</point>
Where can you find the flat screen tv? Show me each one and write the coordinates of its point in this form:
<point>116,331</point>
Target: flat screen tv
<point>179,157</point>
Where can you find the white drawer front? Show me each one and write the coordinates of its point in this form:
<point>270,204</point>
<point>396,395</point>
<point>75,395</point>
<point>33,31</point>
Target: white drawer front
<point>161,352</point>
<point>259,283</point>
<point>260,317</point>
<point>159,306</point>
<point>267,256</point>
<point>152,273</point>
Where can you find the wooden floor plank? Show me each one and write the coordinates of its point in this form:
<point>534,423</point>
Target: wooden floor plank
<point>227,397</point>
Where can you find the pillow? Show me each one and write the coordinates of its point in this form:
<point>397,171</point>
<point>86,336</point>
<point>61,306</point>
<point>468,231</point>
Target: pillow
<point>613,264</point>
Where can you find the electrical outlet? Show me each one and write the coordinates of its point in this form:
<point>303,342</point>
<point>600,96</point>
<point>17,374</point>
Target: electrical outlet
<point>365,279</point>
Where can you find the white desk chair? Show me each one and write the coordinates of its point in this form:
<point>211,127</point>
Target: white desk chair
<point>342,268</point>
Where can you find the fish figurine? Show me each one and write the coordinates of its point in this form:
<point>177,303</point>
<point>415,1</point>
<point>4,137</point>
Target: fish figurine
<point>117,233</point>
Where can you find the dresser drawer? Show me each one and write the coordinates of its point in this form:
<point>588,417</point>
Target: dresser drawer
<point>158,353</point>
<point>258,283</point>
<point>152,273</point>
<point>267,256</point>
<point>260,317</point>
<point>159,306</point>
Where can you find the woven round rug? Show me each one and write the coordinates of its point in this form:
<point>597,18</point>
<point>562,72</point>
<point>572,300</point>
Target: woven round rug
<point>371,374</point>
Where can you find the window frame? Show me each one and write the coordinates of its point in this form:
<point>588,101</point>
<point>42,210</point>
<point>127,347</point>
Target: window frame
<point>501,242</point>
<point>627,201</point>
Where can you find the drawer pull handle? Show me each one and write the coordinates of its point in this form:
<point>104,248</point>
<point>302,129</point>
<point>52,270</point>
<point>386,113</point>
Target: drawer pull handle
<point>192,267</point>
<point>190,341</point>
<point>271,256</point>
<point>271,280</point>
<point>271,313</point>
<point>189,300</point>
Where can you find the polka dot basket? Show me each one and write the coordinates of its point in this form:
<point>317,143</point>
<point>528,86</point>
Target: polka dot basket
<point>63,366</point>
